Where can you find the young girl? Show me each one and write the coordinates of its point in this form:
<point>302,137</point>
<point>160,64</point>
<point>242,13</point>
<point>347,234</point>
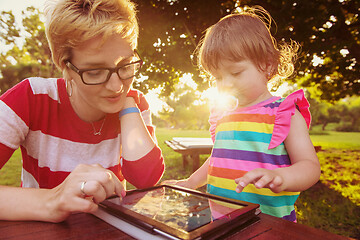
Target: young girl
<point>262,150</point>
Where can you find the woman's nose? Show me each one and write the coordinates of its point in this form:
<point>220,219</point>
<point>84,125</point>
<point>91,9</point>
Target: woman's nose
<point>114,83</point>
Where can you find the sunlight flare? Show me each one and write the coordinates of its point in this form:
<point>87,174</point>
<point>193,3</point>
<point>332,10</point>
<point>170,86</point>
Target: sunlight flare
<point>222,101</point>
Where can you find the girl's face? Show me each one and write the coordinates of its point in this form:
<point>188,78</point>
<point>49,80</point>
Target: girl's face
<point>92,102</point>
<point>242,80</point>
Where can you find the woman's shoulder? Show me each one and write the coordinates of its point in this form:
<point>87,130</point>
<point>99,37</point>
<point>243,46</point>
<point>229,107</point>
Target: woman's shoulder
<point>139,98</point>
<point>44,85</point>
<point>29,90</point>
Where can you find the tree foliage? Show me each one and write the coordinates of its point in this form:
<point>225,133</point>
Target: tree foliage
<point>326,29</point>
<point>345,112</point>
<point>170,30</point>
<point>32,58</point>
<point>181,112</point>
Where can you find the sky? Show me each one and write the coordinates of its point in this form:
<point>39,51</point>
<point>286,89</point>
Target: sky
<point>18,5</point>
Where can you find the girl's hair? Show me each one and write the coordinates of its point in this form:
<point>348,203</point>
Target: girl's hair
<point>69,23</point>
<point>246,36</point>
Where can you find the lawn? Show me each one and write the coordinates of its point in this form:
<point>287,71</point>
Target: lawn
<point>333,204</point>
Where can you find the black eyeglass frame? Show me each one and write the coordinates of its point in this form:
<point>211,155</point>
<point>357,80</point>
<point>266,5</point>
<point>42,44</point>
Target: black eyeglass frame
<point>111,70</point>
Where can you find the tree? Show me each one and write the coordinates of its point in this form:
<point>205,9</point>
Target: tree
<point>181,112</point>
<point>350,115</point>
<point>324,113</point>
<point>171,29</point>
<point>33,58</point>
<point>326,29</point>
<point>345,112</point>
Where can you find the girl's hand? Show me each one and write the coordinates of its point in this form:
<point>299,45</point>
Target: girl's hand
<point>261,178</point>
<point>82,190</point>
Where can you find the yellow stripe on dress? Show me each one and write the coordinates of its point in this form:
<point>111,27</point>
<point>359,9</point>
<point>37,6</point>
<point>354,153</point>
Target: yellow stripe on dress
<point>231,185</point>
<point>245,126</point>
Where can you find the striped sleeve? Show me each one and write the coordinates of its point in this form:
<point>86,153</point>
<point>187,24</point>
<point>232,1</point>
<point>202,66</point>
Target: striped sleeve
<point>149,169</point>
<point>14,115</point>
<point>5,154</point>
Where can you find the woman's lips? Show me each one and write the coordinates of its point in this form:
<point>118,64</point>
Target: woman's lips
<point>114,98</point>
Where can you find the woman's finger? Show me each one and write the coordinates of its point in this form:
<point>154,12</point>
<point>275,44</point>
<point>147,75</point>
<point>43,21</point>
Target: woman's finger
<point>95,190</point>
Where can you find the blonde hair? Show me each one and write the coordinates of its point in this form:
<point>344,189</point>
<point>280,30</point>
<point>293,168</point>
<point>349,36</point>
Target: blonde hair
<point>69,23</point>
<point>246,36</point>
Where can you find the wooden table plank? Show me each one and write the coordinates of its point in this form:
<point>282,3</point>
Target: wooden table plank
<point>77,226</point>
<point>86,226</point>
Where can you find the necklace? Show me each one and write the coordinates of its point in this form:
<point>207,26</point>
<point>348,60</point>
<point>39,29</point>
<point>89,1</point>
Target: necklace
<point>96,133</point>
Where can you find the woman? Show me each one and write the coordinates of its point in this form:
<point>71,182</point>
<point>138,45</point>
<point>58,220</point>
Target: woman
<point>82,135</point>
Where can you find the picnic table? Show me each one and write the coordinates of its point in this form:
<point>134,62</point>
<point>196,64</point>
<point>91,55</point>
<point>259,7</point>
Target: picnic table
<point>89,227</point>
<point>191,148</point>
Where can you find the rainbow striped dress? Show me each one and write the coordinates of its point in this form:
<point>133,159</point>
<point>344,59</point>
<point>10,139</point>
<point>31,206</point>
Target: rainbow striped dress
<point>249,138</point>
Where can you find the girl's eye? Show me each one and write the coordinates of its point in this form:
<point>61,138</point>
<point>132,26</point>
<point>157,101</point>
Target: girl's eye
<point>235,74</point>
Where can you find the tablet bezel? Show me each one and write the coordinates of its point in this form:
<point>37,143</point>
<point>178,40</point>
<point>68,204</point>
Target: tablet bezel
<point>210,230</point>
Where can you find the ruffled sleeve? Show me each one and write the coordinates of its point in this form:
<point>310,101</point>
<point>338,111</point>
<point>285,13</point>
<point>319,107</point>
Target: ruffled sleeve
<point>286,110</point>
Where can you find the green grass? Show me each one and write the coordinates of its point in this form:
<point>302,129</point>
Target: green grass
<point>333,204</point>
<point>332,139</point>
<point>173,160</point>
<point>10,174</point>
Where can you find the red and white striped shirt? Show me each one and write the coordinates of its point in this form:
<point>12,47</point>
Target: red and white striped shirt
<point>36,115</point>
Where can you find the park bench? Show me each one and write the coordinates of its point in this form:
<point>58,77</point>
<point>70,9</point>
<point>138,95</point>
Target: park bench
<point>190,148</point>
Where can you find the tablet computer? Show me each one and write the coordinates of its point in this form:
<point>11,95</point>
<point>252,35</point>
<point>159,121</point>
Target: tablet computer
<point>181,213</point>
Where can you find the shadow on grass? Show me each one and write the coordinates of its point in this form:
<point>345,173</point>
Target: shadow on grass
<point>324,208</point>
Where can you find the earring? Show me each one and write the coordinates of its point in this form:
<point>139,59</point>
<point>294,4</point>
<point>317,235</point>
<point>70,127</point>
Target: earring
<point>69,88</point>
<point>268,75</point>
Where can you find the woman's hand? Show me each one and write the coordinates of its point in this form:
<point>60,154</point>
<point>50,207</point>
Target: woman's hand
<point>82,190</point>
<point>261,178</point>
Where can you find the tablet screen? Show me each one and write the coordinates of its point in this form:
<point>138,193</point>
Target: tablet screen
<point>178,209</point>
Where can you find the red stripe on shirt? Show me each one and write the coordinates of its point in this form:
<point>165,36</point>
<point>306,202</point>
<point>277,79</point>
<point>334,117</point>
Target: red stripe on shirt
<point>149,169</point>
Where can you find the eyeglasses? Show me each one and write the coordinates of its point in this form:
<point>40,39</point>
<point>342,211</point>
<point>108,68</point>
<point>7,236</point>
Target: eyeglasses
<point>97,76</point>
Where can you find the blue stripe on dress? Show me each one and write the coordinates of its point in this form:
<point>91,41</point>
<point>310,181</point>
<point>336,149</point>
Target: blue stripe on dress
<point>244,136</point>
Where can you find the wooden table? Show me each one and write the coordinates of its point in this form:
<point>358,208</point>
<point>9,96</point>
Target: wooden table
<point>191,148</point>
<point>87,226</point>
